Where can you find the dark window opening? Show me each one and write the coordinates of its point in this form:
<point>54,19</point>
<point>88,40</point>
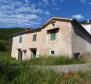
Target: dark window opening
<point>53,24</point>
<point>24,52</point>
<point>52,52</point>
<point>76,55</point>
<point>19,54</point>
<point>33,53</point>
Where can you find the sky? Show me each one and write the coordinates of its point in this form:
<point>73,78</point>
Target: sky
<point>33,13</point>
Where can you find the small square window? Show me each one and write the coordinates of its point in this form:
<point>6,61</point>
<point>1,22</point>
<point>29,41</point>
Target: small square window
<point>52,52</point>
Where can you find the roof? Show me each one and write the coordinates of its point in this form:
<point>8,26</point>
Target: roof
<point>74,21</point>
<point>25,32</point>
<point>50,21</point>
<point>44,25</point>
<point>57,19</point>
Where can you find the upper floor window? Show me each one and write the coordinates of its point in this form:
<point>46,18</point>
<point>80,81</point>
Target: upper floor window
<point>20,39</point>
<point>53,36</point>
<point>53,33</point>
<point>34,37</point>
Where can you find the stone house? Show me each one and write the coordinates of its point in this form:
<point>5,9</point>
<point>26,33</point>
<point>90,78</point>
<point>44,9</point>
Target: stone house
<point>56,37</point>
<point>87,25</point>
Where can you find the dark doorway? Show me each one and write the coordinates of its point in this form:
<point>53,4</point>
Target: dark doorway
<point>19,54</point>
<point>33,52</point>
<point>76,55</point>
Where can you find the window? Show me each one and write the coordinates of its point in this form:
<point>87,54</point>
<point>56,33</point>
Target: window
<point>53,36</point>
<point>52,33</point>
<point>25,52</point>
<point>76,55</point>
<point>34,37</point>
<point>19,54</point>
<point>52,52</point>
<point>20,39</point>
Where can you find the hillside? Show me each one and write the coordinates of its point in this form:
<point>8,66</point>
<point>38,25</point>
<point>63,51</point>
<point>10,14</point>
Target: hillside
<point>5,37</point>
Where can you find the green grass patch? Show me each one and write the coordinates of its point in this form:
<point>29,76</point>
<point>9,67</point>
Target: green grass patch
<point>60,60</point>
<point>16,72</point>
<point>5,58</point>
<point>26,75</point>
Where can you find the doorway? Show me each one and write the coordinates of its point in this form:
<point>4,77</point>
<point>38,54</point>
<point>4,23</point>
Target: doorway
<point>20,54</point>
<point>33,52</point>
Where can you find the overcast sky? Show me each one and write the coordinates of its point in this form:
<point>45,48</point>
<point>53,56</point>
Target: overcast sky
<point>33,13</point>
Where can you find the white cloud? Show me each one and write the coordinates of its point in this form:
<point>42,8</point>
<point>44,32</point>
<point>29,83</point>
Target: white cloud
<point>89,3</point>
<point>61,1</point>
<point>53,2</point>
<point>33,6</point>
<point>56,8</point>
<point>78,16</point>
<point>82,1</point>
<point>31,9</point>
<point>86,2</point>
<point>27,1</point>
<point>17,3</point>
<point>22,16</point>
<point>47,12</point>
<point>19,20</point>
<point>46,2</point>
<point>40,3</point>
<point>21,13</point>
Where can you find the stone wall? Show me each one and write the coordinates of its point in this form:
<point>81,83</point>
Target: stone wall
<point>81,40</point>
<point>61,46</point>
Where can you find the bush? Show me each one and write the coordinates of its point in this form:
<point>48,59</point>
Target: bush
<point>8,73</point>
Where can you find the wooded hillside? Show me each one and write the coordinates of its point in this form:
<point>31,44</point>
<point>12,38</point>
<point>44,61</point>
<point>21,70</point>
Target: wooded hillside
<point>5,37</point>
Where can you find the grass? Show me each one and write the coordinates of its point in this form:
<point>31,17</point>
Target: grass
<point>6,59</point>
<point>53,61</point>
<point>26,75</point>
<point>21,74</point>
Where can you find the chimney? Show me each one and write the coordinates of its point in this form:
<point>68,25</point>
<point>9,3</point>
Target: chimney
<point>87,20</point>
<point>26,29</point>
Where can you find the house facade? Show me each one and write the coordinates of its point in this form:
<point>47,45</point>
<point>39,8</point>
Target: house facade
<point>56,37</point>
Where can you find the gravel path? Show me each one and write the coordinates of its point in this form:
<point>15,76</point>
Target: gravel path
<point>69,68</point>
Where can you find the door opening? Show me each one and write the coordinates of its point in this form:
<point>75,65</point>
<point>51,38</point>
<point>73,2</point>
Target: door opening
<point>33,52</point>
<point>19,54</point>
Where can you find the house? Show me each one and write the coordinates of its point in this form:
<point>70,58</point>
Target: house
<point>87,25</point>
<point>56,37</point>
